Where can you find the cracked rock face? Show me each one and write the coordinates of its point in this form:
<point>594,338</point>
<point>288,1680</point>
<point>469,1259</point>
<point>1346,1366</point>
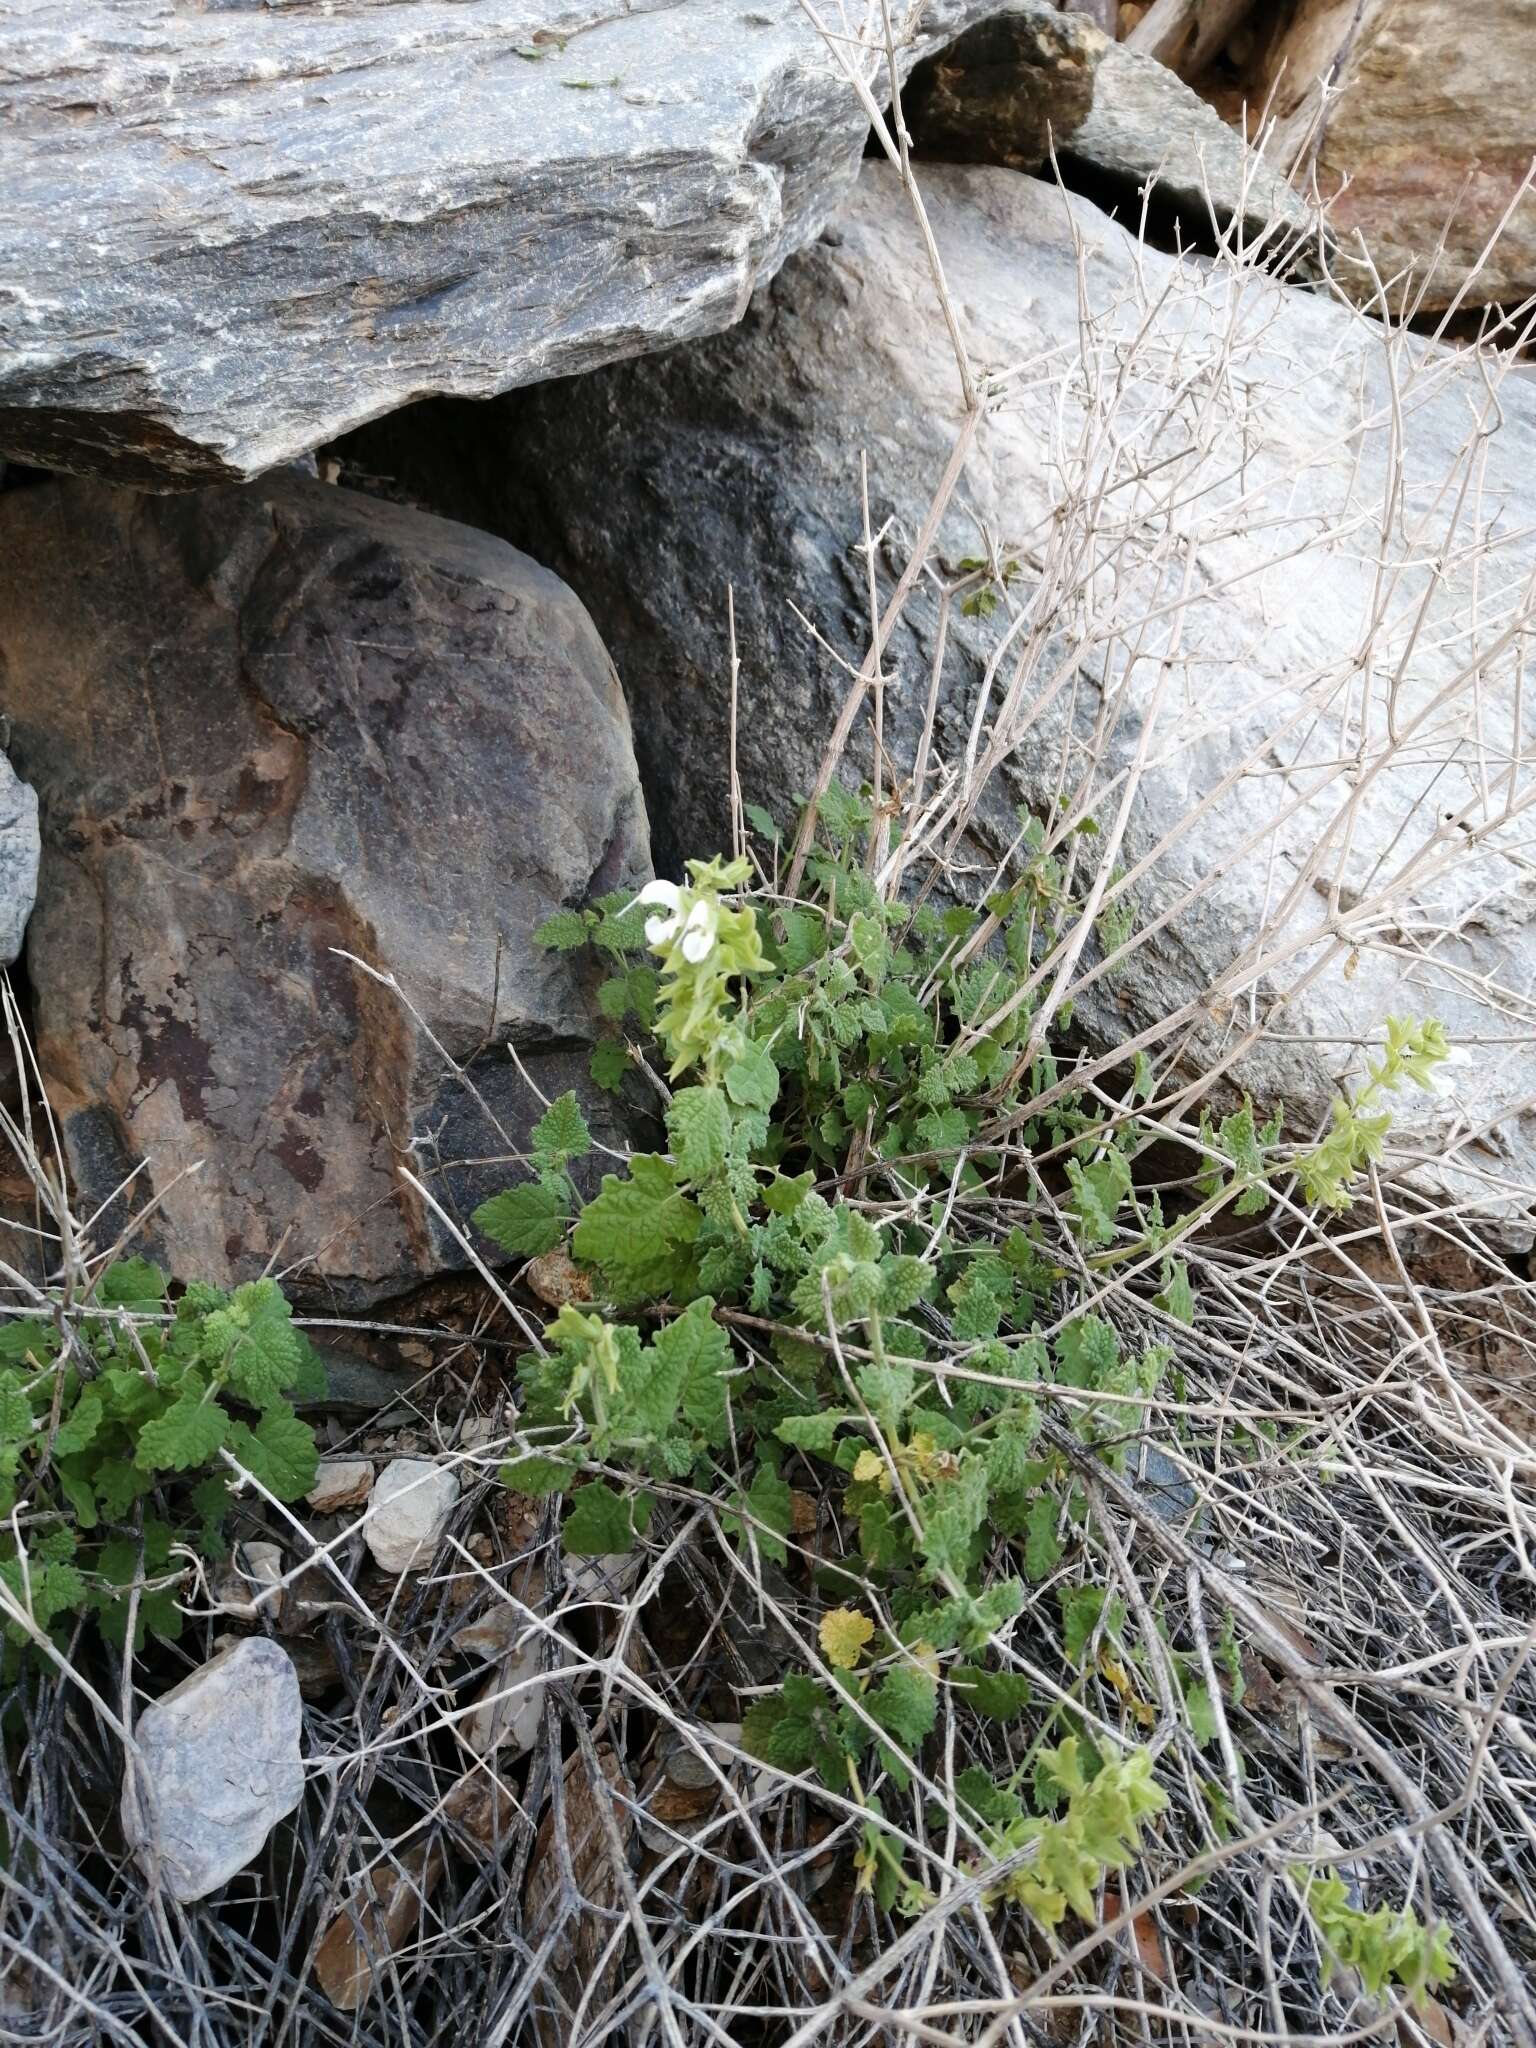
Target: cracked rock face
<point>271,727</point>
<point>287,219</point>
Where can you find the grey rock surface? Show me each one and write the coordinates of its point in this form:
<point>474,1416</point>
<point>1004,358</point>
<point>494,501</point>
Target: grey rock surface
<point>20,844</point>
<point>287,219</point>
<point>1148,130</point>
<point>272,726</point>
<point>1030,79</point>
<point>219,1767</point>
<point>736,461</point>
<point>408,1511</point>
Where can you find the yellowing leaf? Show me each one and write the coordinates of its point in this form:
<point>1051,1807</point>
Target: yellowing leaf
<point>870,1465</point>
<point>844,1632</point>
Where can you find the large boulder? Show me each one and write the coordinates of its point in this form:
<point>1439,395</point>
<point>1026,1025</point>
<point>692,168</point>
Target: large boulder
<point>1415,118</point>
<point>283,220</point>
<point>271,727</point>
<point>1244,442</point>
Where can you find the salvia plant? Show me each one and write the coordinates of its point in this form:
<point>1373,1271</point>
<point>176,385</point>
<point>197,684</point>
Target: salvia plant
<point>126,1422</point>
<point>798,1285</point>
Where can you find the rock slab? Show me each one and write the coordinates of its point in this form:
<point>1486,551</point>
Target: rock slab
<point>286,740</point>
<point>287,219</point>
<point>408,1512</point>
<point>20,845</point>
<point>1029,81</point>
<point>737,462</point>
<point>219,1767</point>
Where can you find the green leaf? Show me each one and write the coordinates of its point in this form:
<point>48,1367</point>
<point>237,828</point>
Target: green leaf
<point>561,1134</point>
<point>599,1522</point>
<point>253,1343</point>
<point>280,1452</point>
<point>1097,1192</point>
<point>526,1220</point>
<point>951,1516</point>
<point>999,1695</point>
<point>187,1433</point>
<point>814,1433</point>
<point>634,1228</point>
<point>1042,1546</point>
<point>562,933</point>
<point>16,1419</point>
<point>630,994</point>
<point>81,1495</point>
<point>699,1127</point>
<point>1176,1297</point>
<point>782,1197</point>
<point>1088,1353</point>
<point>752,1081</point>
<point>763,1516</point>
<point>609,1065</point>
<point>1202,1715</point>
<point>889,1390</point>
<point>25,1337</point>
<point>79,1426</point>
<point>132,1284</point>
<point>904,1282</point>
<point>697,1343</point>
<point>793,1727</point>
<point>537,1476</point>
<point>1082,1610</point>
<point>905,1704</point>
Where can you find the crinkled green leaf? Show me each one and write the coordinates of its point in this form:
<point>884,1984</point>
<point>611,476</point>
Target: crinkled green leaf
<point>752,1079</point>
<point>187,1433</point>
<point>699,1128</point>
<point>563,932</point>
<point>526,1220</point>
<point>599,1522</point>
<point>561,1134</point>
<point>635,1227</point>
<point>279,1451</point>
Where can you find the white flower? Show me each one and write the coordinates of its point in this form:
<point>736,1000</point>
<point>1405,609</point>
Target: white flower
<point>699,932</point>
<point>659,929</point>
<point>1443,1083</point>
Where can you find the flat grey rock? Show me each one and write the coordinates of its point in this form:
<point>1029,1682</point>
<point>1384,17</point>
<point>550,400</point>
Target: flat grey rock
<point>20,844</point>
<point>408,1511</point>
<point>1147,129</point>
<point>219,1768</point>
<point>278,730</point>
<point>283,220</point>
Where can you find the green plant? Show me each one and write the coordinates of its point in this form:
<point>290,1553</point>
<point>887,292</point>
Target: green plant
<point>776,1292</point>
<point>118,1410</point>
<point>1381,1947</point>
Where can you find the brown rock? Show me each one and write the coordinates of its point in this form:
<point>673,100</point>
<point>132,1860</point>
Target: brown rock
<point>1007,89</point>
<point>556,1279</point>
<point>581,1907</point>
<point>270,726</point>
<point>1428,123</point>
<point>340,1483</point>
